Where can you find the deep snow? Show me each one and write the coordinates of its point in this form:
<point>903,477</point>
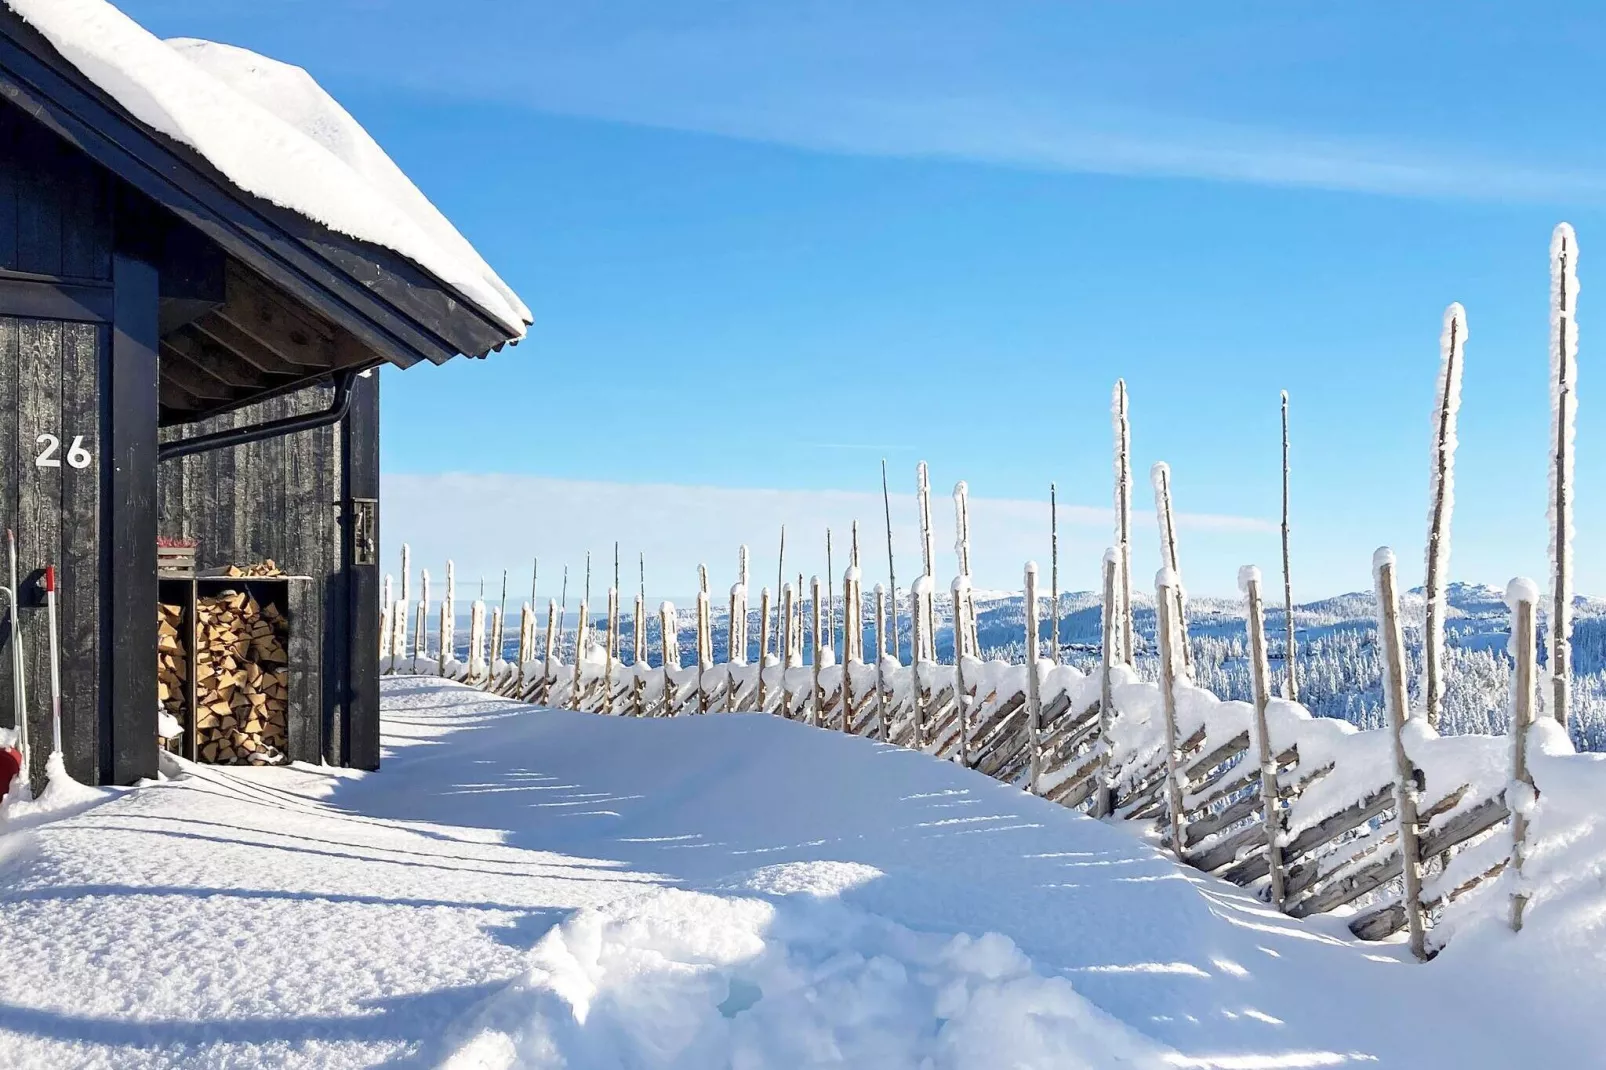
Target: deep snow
<point>531,888</point>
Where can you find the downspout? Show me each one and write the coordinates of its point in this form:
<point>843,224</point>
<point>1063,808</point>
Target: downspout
<point>240,436</point>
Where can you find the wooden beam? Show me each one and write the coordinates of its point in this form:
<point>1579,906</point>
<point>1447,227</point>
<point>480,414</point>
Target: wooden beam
<point>246,347</point>
<point>176,368</point>
<point>289,332</point>
<point>216,361</point>
<point>176,399</point>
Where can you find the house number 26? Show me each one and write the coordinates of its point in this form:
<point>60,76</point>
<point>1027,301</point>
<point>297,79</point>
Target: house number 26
<point>77,456</point>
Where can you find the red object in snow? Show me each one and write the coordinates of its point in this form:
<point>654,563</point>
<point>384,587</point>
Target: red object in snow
<point>10,766</point>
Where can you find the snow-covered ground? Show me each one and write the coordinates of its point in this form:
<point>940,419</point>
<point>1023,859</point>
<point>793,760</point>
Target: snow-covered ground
<point>524,888</point>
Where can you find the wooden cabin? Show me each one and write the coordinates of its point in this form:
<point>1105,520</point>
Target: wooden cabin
<point>182,358</point>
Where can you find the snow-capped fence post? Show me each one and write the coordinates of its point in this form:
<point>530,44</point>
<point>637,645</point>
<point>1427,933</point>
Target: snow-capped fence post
<point>403,615</point>
<point>496,648</point>
<point>476,641</point>
<point>961,696</point>
<point>669,641</point>
<point>526,635</point>
<point>1249,582</point>
<point>421,629</point>
<point>1034,697</point>
<point>549,659</point>
<point>1103,792</point>
<point>705,647</point>
<point>1405,783</point>
<point>880,662</point>
<point>1522,596</point>
<point>852,640</point>
<point>1054,577</point>
<point>1290,658</point>
<point>1160,475</point>
<point>735,641</point>
<point>1165,609</point>
<point>1563,410</point>
<point>576,695</point>
<point>448,628</point>
<point>817,707</point>
<point>918,650</point>
<point>1123,519</point>
<point>638,631</point>
<point>612,653</point>
<point>386,607</point>
<point>783,646</point>
<point>763,644</point>
<point>1442,503</point>
<point>398,641</point>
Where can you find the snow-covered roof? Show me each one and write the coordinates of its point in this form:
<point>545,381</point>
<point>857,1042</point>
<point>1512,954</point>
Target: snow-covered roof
<point>271,130</point>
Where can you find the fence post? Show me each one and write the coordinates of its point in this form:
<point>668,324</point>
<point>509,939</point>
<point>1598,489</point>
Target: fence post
<point>1165,606</point>
<point>580,636</point>
<point>783,646</point>
<point>386,607</point>
<point>549,657</point>
<point>476,640</point>
<point>817,715</point>
<point>961,698</point>
<point>611,654</point>
<point>880,660</point>
<point>852,640</point>
<point>1270,795</point>
<point>917,657</point>
<point>1103,793</point>
<point>1405,786</point>
<point>763,643</point>
<point>1034,696</point>
<point>669,640</point>
<point>1521,596</point>
<point>449,618</point>
<point>421,631</point>
<point>705,644</point>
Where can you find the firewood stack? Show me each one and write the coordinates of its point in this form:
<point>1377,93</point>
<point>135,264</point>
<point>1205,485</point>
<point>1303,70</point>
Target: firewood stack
<point>172,662</point>
<point>241,679</point>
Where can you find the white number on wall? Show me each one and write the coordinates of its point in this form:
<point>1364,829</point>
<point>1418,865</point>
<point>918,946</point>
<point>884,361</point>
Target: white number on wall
<point>77,456</point>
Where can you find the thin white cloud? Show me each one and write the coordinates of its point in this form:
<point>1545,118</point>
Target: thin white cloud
<point>488,522</point>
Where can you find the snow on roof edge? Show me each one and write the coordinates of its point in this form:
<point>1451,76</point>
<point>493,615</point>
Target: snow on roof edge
<point>224,108</point>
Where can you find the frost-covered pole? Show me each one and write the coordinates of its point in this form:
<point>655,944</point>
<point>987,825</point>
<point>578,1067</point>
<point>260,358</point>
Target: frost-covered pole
<point>736,652</point>
<point>892,573</point>
<point>398,642</point>
<point>448,627</point>
<point>498,637</point>
<point>852,616</point>
<point>549,658</point>
<point>563,613</point>
<point>640,655</point>
<point>526,635</point>
<point>1249,583</point>
<point>1160,475</point>
<point>421,632</point>
<point>1103,793</point>
<point>406,573</point>
<point>763,643</point>
<point>1053,574</point>
<point>1123,517</point>
<point>742,578</point>
<point>1563,411</point>
<point>1165,612</point>
<point>581,640</point>
<point>1441,498</point>
<point>402,617</point>
<point>476,640</point>
<point>928,549</point>
<point>817,712</point>
<point>669,642</point>
<point>787,622</point>
<point>705,645</point>
<point>961,695</point>
<point>1291,657</point>
<point>1522,597</point>
<point>880,662</point>
<point>1395,700</point>
<point>1034,697</point>
<point>613,626</point>
<point>386,608</point>
<point>612,654</point>
<point>962,603</point>
<point>917,657</point>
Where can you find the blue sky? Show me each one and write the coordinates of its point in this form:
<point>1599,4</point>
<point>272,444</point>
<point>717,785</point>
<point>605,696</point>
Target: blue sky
<point>768,244</point>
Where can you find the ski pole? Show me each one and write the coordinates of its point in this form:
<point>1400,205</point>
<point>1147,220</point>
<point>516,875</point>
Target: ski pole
<point>19,687</point>
<point>55,667</point>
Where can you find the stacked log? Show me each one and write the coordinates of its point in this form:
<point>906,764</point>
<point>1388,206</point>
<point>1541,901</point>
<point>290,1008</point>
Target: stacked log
<point>241,680</point>
<point>265,568</point>
<point>172,663</point>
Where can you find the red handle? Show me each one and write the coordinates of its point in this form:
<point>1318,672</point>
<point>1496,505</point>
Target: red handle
<point>50,579</point>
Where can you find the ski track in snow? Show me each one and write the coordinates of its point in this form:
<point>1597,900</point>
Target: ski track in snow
<point>523,888</point>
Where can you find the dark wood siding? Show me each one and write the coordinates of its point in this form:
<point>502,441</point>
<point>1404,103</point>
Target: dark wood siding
<point>282,498</point>
<point>55,221</point>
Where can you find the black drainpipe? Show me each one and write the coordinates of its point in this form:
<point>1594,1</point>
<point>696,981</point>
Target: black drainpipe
<point>239,436</point>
